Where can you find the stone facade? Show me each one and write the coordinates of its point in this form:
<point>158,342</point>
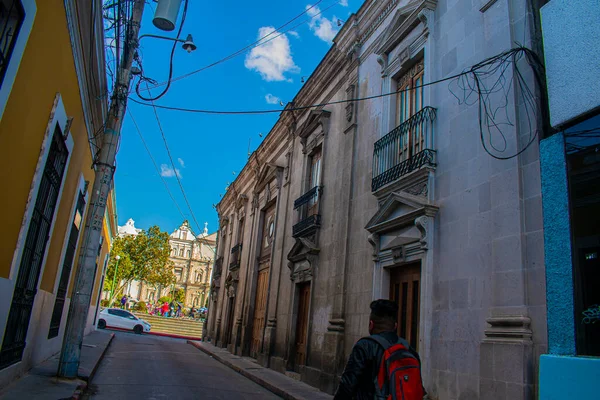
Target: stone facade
<point>451,233</point>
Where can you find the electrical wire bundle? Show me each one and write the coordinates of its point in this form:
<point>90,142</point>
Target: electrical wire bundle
<point>495,84</point>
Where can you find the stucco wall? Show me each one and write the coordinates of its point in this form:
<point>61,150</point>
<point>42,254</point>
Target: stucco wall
<point>571,31</point>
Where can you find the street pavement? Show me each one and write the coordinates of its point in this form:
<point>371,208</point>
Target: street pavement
<point>154,368</point>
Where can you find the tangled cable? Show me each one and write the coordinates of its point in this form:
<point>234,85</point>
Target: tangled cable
<point>492,84</point>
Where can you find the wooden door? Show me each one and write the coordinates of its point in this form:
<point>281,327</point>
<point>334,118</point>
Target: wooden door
<point>260,307</point>
<point>405,291</point>
<point>302,323</point>
<point>409,101</point>
<point>231,309</point>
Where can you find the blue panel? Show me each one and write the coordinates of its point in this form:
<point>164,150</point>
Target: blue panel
<point>557,246</point>
<point>569,377</point>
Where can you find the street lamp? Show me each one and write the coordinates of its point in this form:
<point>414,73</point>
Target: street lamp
<point>188,44</point>
<point>112,288</point>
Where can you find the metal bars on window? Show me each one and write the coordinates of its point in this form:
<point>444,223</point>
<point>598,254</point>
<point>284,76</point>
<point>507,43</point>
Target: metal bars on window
<point>404,149</point>
<point>36,240</point>
<point>12,15</point>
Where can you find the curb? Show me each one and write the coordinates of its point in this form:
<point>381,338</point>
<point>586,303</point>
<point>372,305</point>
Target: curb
<point>79,391</point>
<point>272,388</point>
<point>93,371</point>
<point>81,388</point>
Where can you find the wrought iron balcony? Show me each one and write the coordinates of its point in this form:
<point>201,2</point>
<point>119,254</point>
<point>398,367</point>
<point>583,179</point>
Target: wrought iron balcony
<point>235,256</point>
<point>307,226</point>
<point>404,149</point>
<point>308,196</point>
<point>236,248</point>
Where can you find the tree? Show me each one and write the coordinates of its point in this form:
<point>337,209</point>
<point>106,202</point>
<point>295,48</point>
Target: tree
<point>144,257</point>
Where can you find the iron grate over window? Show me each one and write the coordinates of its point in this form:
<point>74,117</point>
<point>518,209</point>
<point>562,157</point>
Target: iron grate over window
<point>36,240</point>
<point>12,15</point>
<point>61,292</point>
<point>406,148</point>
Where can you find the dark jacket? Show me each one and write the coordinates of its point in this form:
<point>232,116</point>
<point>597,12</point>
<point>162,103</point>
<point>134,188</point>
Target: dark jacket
<point>358,379</point>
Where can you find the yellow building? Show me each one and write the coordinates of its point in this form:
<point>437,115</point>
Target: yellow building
<point>52,102</point>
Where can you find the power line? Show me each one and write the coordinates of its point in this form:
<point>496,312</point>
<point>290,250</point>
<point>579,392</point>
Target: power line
<point>162,133</point>
<point>155,164</point>
<point>257,43</point>
<point>295,108</point>
<point>485,68</point>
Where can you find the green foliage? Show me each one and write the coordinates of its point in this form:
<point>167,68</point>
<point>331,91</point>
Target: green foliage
<point>179,295</point>
<point>104,303</point>
<point>141,306</point>
<point>164,299</point>
<point>144,257</point>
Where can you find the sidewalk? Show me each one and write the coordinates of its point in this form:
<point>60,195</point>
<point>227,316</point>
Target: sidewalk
<point>281,385</point>
<point>41,381</point>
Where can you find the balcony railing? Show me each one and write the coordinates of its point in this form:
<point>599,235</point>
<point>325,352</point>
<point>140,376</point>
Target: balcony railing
<point>404,149</point>
<point>235,256</point>
<point>306,197</point>
<point>236,248</point>
<point>307,225</point>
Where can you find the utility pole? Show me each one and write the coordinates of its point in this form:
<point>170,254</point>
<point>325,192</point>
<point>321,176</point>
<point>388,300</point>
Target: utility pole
<point>105,168</point>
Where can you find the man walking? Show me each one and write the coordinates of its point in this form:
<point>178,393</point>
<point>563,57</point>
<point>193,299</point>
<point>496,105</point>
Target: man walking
<point>366,377</point>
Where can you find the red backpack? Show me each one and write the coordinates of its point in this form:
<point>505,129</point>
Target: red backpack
<point>399,374</point>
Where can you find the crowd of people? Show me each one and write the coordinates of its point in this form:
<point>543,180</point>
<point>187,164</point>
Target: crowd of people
<point>173,309</point>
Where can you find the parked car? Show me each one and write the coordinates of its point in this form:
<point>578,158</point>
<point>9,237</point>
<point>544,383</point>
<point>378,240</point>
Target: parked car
<point>121,319</point>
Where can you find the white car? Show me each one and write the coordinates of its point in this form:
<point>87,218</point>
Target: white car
<point>121,319</point>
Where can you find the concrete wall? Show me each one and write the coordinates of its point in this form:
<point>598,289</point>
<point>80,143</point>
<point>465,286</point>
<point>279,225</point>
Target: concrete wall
<point>571,32</point>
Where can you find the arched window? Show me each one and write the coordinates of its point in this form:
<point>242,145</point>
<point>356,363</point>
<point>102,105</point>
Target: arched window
<point>180,252</point>
<point>189,253</point>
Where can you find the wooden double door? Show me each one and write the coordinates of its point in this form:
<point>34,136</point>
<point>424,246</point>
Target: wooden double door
<point>405,290</point>
<point>302,323</point>
<point>260,309</point>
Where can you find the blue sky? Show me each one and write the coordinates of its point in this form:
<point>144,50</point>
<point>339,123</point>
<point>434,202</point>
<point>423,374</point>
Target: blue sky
<point>209,150</point>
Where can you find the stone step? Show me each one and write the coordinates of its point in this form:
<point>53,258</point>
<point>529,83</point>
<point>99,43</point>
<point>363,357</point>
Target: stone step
<point>173,326</point>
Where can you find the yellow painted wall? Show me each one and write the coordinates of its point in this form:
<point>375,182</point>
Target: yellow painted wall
<point>47,67</point>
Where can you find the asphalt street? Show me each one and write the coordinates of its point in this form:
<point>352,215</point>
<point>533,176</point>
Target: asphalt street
<point>153,368</point>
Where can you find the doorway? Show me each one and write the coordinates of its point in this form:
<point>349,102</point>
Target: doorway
<point>302,324</point>
<point>405,285</point>
<point>260,308</point>
<point>229,329</point>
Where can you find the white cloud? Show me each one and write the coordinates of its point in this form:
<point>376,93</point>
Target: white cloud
<point>270,99</point>
<point>168,172</point>
<point>272,59</point>
<point>323,28</point>
<point>344,3</point>
<point>180,161</point>
<point>294,34</point>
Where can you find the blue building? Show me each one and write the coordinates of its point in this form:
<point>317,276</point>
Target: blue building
<point>570,168</point>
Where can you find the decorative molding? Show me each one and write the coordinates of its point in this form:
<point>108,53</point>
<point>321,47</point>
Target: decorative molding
<point>422,224</point>
<point>508,328</point>
<point>336,325</point>
<point>373,239</point>
<point>418,189</point>
<point>406,19</point>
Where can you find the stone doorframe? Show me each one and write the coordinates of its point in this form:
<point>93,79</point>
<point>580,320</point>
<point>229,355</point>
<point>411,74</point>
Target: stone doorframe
<point>401,232</point>
<point>303,260</point>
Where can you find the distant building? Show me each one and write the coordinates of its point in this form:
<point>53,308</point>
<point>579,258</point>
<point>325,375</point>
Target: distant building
<point>129,229</point>
<point>192,256</point>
